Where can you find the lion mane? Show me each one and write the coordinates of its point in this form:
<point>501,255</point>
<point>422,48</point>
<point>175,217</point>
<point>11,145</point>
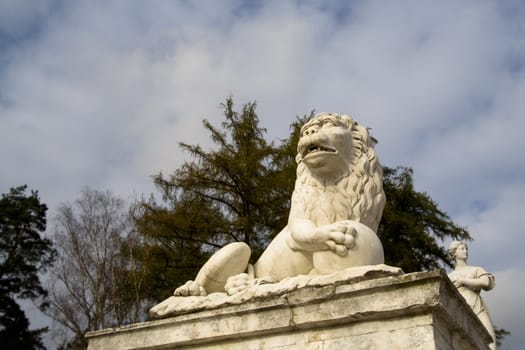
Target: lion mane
<point>356,195</point>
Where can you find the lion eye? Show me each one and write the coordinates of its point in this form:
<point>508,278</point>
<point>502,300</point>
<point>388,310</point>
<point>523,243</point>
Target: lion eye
<point>328,123</point>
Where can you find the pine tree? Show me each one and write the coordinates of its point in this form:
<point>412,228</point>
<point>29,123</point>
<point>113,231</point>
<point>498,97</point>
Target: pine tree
<point>23,254</point>
<point>413,228</point>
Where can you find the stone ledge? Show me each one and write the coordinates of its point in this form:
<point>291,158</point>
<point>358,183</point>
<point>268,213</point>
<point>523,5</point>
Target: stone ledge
<point>422,310</point>
<point>264,291</point>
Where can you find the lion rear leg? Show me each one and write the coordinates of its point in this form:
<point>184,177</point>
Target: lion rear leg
<point>228,261</point>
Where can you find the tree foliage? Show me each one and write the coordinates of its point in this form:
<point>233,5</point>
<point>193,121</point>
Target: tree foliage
<point>500,335</point>
<point>23,254</point>
<point>95,282</point>
<point>413,228</point>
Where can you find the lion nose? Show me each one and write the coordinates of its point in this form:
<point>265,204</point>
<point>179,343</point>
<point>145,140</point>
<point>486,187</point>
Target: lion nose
<point>314,129</point>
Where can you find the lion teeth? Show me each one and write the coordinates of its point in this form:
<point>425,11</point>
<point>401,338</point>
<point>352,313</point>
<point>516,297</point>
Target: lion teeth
<point>318,148</point>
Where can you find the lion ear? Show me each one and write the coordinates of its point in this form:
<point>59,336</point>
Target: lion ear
<point>298,158</point>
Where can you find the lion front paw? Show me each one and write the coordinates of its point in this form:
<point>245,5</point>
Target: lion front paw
<point>190,288</point>
<point>243,281</point>
<point>341,237</point>
<point>238,283</point>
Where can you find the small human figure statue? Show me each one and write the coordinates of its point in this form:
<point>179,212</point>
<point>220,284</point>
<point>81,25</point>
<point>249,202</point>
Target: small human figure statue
<point>469,280</point>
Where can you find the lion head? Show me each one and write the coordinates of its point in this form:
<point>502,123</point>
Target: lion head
<point>338,174</point>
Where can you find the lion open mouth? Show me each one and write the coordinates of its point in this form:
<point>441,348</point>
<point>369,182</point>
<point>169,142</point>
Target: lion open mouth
<point>318,148</point>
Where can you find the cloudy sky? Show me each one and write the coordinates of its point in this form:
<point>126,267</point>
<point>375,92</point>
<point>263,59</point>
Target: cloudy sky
<point>100,93</point>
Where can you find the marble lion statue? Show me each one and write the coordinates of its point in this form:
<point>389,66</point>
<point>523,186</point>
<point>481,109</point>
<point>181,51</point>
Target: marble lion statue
<point>335,210</point>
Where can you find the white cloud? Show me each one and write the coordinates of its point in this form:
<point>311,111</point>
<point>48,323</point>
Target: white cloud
<point>498,228</point>
<point>101,93</point>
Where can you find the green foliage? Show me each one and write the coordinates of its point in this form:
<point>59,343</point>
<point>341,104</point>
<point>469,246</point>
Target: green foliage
<point>14,332</point>
<point>413,228</point>
<point>500,335</point>
<point>23,254</point>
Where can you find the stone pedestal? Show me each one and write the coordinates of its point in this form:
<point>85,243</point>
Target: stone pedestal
<point>410,311</point>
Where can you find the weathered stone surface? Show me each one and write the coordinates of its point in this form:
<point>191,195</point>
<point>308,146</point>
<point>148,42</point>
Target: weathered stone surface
<point>179,305</point>
<point>411,311</point>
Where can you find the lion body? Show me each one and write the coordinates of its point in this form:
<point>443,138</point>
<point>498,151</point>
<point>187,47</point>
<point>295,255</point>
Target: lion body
<point>351,192</point>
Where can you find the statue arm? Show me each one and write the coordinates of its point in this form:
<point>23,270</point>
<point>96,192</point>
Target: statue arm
<point>485,282</point>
